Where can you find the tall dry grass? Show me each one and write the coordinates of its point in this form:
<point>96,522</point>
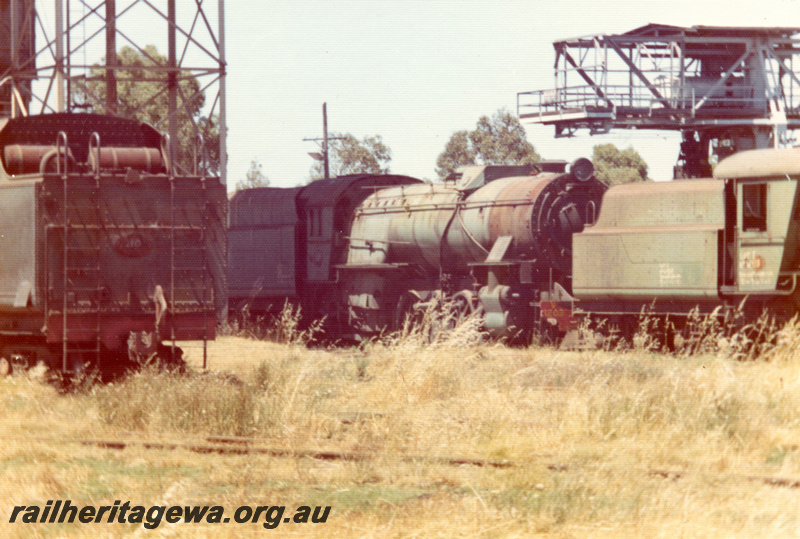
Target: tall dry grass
<point>601,443</point>
<point>286,327</point>
<point>445,359</point>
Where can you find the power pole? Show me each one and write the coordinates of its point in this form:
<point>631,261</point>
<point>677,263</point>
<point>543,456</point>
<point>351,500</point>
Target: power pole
<point>324,140</point>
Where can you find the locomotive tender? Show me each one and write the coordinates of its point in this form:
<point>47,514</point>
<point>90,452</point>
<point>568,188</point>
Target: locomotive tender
<point>700,243</point>
<point>104,251</point>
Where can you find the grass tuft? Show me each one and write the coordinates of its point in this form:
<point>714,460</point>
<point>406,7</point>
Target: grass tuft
<point>208,403</point>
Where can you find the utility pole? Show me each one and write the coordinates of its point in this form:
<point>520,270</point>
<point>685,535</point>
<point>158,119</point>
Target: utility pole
<point>324,140</point>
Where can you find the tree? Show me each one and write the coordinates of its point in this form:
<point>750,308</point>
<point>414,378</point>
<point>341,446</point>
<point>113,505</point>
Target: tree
<point>499,140</point>
<point>253,178</point>
<point>457,152</point>
<point>348,155</point>
<point>147,100</point>
<point>614,166</point>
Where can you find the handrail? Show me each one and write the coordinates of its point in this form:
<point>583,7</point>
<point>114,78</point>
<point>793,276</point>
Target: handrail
<point>544,105</point>
<point>62,138</point>
<point>61,150</point>
<point>96,165</point>
<point>166,151</point>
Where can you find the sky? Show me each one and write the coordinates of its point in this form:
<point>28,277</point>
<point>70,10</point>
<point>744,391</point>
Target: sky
<point>414,72</point>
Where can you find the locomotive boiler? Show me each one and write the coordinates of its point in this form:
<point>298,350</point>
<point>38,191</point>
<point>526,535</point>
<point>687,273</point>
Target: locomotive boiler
<point>491,240</point>
<point>106,252</point>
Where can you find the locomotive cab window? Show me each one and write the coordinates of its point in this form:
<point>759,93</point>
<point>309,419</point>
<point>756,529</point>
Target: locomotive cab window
<point>315,222</point>
<point>754,207</point>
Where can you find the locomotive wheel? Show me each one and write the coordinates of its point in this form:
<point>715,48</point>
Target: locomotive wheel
<point>5,367</point>
<point>464,304</point>
<point>407,310</point>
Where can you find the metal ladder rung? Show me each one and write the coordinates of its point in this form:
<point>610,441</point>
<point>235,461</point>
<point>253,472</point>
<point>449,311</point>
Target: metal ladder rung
<point>82,216</point>
<point>74,347</point>
<point>194,220</point>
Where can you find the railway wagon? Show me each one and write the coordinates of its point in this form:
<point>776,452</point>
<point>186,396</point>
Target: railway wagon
<point>105,253</point>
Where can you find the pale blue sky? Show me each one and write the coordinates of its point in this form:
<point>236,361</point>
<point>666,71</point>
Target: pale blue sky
<point>415,71</point>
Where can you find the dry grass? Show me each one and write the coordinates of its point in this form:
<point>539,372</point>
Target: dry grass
<point>286,327</point>
<point>601,443</point>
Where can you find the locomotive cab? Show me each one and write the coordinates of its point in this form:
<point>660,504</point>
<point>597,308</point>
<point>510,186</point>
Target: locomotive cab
<point>766,259</point>
<point>288,245</point>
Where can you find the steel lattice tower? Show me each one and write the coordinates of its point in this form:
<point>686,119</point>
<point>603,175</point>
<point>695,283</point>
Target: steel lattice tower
<point>44,51</point>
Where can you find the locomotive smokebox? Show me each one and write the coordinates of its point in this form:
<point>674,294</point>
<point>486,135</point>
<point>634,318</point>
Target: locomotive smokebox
<point>540,213</point>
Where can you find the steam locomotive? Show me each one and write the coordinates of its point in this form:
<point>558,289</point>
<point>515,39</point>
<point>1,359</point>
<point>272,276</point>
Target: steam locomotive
<point>365,251</point>
<point>529,248</point>
<point>106,252</point>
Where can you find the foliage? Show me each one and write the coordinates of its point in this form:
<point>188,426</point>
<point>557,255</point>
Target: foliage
<point>614,166</point>
<point>499,140</point>
<point>147,100</point>
<point>212,403</point>
<point>457,152</point>
<point>254,177</point>
<point>289,330</point>
<point>443,324</point>
<point>348,155</point>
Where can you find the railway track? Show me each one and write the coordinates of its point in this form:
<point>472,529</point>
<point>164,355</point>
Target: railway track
<point>242,445</point>
<point>238,445</point>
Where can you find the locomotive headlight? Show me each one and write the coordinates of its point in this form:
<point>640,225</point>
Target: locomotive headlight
<point>582,169</point>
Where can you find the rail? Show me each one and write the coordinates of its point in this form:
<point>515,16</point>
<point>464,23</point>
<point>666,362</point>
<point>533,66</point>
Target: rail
<point>234,445</point>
